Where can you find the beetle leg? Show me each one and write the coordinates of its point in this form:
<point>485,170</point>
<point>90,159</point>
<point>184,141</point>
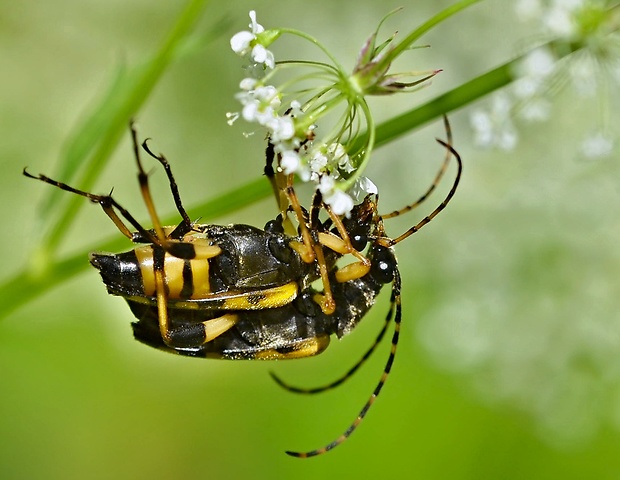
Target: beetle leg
<point>342,244</point>
<point>326,299</point>
<point>193,335</point>
<point>107,203</point>
<point>278,181</point>
<point>310,251</point>
<point>161,294</point>
<point>143,180</point>
<point>307,252</point>
<point>186,224</point>
<point>349,272</point>
<point>187,335</point>
<point>215,327</point>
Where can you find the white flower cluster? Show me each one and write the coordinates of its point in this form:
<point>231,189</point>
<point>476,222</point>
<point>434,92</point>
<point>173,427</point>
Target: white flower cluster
<point>299,152</point>
<point>246,43</point>
<point>494,127</point>
<point>528,96</point>
<point>556,17</point>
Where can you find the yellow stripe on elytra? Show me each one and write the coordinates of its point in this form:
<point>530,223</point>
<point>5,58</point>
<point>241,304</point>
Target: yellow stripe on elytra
<point>260,299</point>
<point>145,260</point>
<point>173,272</point>
<point>303,348</point>
<point>200,275</point>
<point>173,269</point>
<point>255,300</point>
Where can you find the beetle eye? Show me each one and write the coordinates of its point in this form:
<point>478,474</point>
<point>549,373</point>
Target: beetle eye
<point>383,265</point>
<point>358,241</point>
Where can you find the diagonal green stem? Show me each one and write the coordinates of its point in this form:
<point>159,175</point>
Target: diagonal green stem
<point>29,284</point>
<point>25,286</point>
<point>432,22</point>
<point>106,128</point>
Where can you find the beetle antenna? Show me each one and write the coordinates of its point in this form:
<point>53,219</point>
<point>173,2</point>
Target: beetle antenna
<point>388,242</point>
<point>437,179</point>
<point>386,371</point>
<point>349,373</point>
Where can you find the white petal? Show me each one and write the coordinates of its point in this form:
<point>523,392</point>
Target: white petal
<point>240,42</point>
<point>341,203</point>
<point>270,60</point>
<point>248,84</point>
<point>296,110</point>
<point>256,27</point>
<point>268,94</point>
<point>284,129</point>
<point>250,112</point>
<point>259,53</point>
<point>290,161</point>
<point>318,161</point>
<point>326,185</point>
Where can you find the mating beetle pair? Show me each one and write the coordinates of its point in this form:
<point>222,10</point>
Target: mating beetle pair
<point>238,292</point>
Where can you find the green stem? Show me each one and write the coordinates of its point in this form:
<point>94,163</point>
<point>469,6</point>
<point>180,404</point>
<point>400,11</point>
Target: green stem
<point>26,286</point>
<point>428,25</point>
<point>368,146</point>
<point>29,284</point>
<point>443,104</point>
<point>311,116</point>
<point>311,39</point>
<point>136,91</point>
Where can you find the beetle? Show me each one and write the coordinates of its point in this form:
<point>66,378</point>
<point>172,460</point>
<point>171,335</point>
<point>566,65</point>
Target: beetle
<point>301,328</point>
<point>238,292</point>
<point>193,266</point>
<point>214,267</point>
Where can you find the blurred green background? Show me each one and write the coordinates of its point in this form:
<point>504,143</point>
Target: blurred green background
<point>509,361</point>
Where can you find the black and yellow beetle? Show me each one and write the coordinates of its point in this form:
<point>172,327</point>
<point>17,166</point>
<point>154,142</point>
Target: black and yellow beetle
<point>211,267</point>
<point>238,292</point>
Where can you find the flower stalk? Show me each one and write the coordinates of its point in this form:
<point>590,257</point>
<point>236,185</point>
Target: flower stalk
<point>290,112</point>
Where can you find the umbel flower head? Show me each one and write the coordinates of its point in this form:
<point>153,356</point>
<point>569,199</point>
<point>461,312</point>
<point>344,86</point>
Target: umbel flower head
<point>312,91</point>
<point>589,30</point>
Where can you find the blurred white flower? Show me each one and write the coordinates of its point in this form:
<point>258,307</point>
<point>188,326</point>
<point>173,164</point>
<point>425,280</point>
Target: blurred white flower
<point>538,74</point>
<point>527,10</point>
<point>559,20</point>
<point>532,71</point>
<point>535,110</point>
<point>494,128</point>
<point>597,145</point>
